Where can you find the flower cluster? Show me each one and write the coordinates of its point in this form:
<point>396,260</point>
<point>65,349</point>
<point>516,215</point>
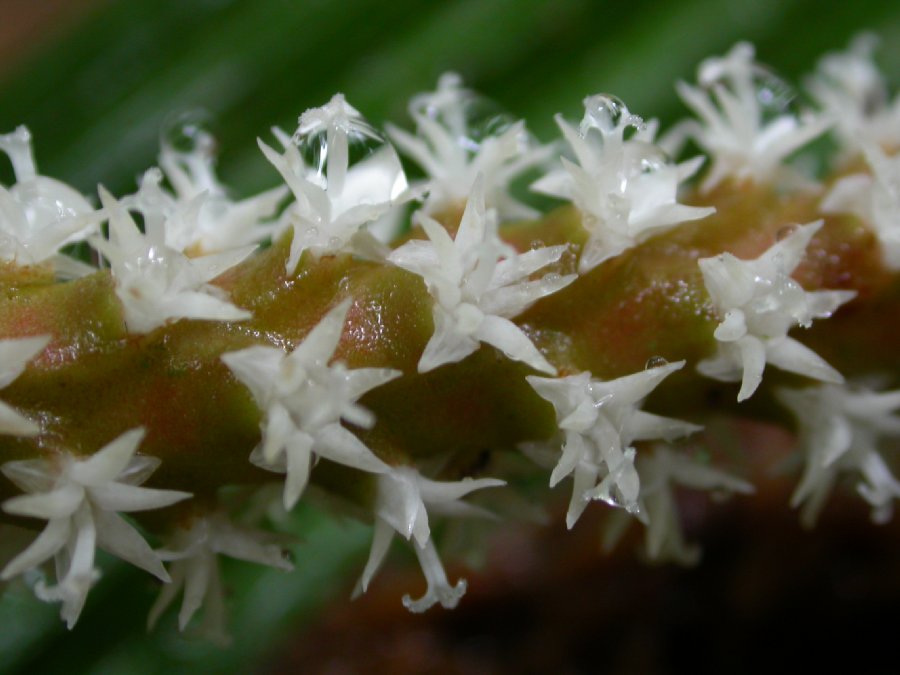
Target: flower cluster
<point>662,470</point>
<point>304,399</point>
<point>875,198</point>
<point>601,421</point>
<point>452,149</point>
<point>39,215</point>
<point>198,218</point>
<point>81,500</point>
<point>625,188</point>
<point>759,302</point>
<point>843,430</point>
<point>194,552</point>
<point>334,200</point>
<point>744,124</point>
<point>478,283</point>
<point>301,410</point>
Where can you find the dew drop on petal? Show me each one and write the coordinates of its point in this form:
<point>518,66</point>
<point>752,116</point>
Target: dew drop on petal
<point>655,362</point>
<point>775,95</point>
<point>785,232</point>
<point>752,83</point>
<point>645,158</point>
<point>348,156</point>
<point>469,117</point>
<point>188,132</point>
<point>607,114</point>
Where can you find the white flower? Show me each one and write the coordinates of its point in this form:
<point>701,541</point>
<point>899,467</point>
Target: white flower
<point>600,421</point>
<point>14,356</point>
<point>303,400</point>
<point>734,129</point>
<point>402,504</point>
<point>626,190</point>
<point>453,154</point>
<point>336,199</point>
<point>759,303</point>
<point>661,470</point>
<point>841,431</point>
<point>874,199</point>
<point>199,218</point>
<point>81,500</point>
<point>852,92</point>
<point>194,552</point>
<point>478,283</point>
<point>156,283</point>
<point>38,214</point>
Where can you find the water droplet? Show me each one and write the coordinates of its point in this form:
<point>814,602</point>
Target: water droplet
<point>645,158</point>
<point>751,82</point>
<point>607,114</point>
<point>536,244</point>
<point>655,362</point>
<point>785,232</point>
<point>469,117</point>
<point>774,95</point>
<point>189,132</point>
<point>344,151</point>
<point>322,129</point>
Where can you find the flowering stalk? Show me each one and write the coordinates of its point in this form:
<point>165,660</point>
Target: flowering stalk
<point>394,366</point>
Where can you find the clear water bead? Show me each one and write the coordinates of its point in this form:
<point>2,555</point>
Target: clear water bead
<point>345,152</point>
<point>608,114</point>
<point>655,362</point>
<point>740,74</point>
<point>785,232</point>
<point>189,132</point>
<point>469,117</point>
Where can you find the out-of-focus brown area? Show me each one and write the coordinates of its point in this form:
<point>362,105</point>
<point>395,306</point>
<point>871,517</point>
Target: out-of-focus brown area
<point>25,25</point>
<point>768,596</point>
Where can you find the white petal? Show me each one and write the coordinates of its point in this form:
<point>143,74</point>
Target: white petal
<point>509,338</point>
<point>127,498</point>
<point>58,503</point>
<point>51,539</point>
<point>123,541</point>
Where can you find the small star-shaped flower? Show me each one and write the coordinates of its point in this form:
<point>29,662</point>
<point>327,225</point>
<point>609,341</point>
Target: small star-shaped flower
<point>199,218</point>
<point>14,356</point>
<point>453,154</point>
<point>303,400</point>
<point>403,500</point>
<point>81,499</point>
<point>853,93</point>
<point>874,198</point>
<point>39,214</point>
<point>193,552</point>
<point>759,302</point>
<point>156,283</point>
<point>733,127</point>
<point>479,283</point>
<point>842,431</point>
<point>626,190</point>
<point>335,200</point>
<point>600,421</point>
<point>662,470</point>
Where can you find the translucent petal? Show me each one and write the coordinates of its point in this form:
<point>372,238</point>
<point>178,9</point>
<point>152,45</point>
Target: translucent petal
<point>123,541</point>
